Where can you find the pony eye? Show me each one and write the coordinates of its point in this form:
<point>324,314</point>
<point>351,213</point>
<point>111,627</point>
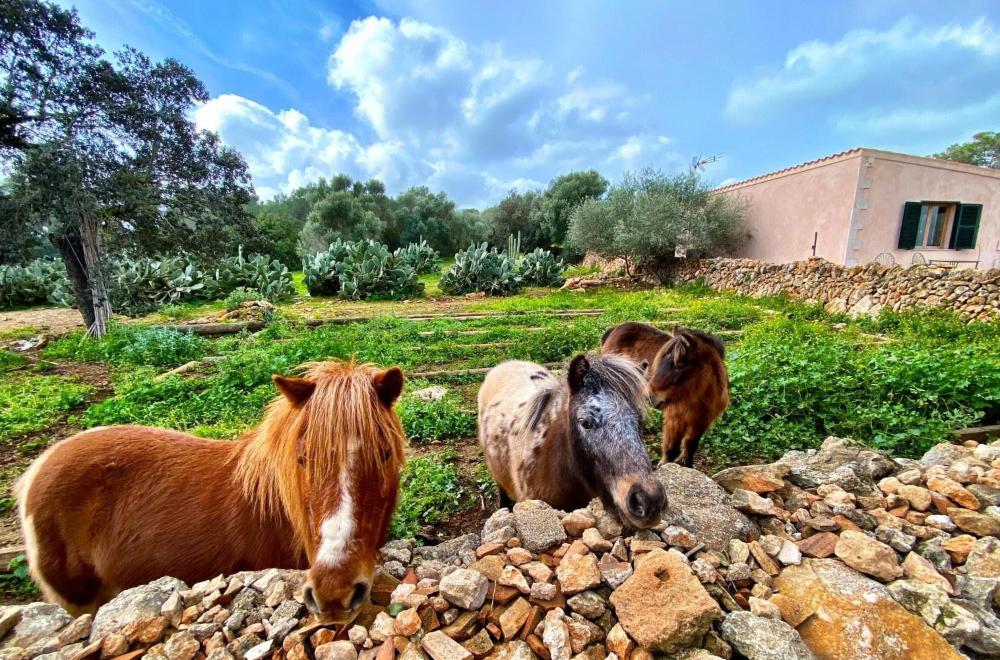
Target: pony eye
<point>586,424</point>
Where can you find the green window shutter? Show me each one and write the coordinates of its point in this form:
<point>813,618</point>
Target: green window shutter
<point>908,230</point>
<point>966,226</point>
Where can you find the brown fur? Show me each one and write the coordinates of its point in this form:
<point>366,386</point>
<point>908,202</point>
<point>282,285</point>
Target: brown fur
<point>687,380</point>
<point>111,508</point>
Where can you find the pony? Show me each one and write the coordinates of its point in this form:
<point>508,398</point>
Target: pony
<point>687,380</point>
<point>566,442</point>
<point>314,486</point>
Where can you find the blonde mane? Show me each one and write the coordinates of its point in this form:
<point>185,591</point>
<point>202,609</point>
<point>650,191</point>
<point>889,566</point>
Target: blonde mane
<point>342,418</point>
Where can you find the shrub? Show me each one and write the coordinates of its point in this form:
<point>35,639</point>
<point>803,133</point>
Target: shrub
<point>479,268</point>
<point>430,421</point>
<point>421,257</point>
<point>29,403</point>
<point>43,280</point>
<point>370,271</point>
<point>269,277</point>
<point>131,345</point>
<point>320,270</point>
<point>541,268</point>
<point>429,492</point>
<point>239,296</point>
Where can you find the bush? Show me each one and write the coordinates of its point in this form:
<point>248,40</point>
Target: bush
<point>429,492</point>
<point>479,268</point>
<point>269,277</point>
<point>43,280</point>
<point>421,257</point>
<point>370,271</point>
<point>131,345</point>
<point>239,296</point>
<point>320,270</point>
<point>430,421</point>
<point>541,268</point>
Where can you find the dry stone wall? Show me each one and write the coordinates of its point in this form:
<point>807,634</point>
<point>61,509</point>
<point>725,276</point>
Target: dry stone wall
<point>865,289</point>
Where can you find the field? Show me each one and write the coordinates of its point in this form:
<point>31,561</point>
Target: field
<point>900,382</point>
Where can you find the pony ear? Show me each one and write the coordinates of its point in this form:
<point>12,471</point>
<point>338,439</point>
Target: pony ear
<point>670,367</point>
<point>296,390</point>
<point>389,385</point>
<point>578,368</point>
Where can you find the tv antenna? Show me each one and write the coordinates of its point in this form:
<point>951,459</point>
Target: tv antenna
<point>699,162</point>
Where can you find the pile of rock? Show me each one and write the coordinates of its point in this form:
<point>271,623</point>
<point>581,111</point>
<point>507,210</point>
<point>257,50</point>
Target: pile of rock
<point>839,552</point>
<point>855,289</point>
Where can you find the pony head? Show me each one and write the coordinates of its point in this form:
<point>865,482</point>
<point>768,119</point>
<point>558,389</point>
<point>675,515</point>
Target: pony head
<point>335,448</point>
<point>687,353</point>
<point>606,412</point>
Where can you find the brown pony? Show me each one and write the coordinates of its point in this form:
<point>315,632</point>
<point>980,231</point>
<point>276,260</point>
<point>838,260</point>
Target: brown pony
<point>568,442</point>
<point>314,486</point>
<point>687,380</point>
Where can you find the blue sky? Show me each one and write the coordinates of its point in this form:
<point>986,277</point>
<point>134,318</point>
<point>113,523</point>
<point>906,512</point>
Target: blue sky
<point>475,98</point>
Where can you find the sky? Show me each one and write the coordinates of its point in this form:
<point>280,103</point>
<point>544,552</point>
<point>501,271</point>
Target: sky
<point>477,98</point>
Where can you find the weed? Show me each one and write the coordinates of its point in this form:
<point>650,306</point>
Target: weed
<point>30,403</point>
<point>429,493</point>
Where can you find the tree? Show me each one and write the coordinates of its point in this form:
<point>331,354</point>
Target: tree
<point>519,213</point>
<point>431,216</point>
<point>563,195</point>
<point>348,210</point>
<point>646,217</point>
<point>983,150</point>
<point>107,157</point>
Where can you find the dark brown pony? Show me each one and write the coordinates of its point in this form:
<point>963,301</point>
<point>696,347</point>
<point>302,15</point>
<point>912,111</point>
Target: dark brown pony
<point>566,442</point>
<point>687,380</point>
<point>313,487</point>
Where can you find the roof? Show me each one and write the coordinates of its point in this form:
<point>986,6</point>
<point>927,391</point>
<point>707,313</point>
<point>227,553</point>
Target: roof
<point>801,166</point>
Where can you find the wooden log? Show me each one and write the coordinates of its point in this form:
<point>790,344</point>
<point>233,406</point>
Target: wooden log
<point>466,372</point>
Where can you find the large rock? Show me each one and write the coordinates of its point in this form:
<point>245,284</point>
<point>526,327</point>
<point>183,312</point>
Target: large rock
<point>760,479</point>
<point>931,603</point>
<point>843,462</point>
<point>844,615</point>
<point>465,587</point>
<point>538,525</point>
<point>39,621</point>
<point>701,506</point>
<point>663,606</point>
<point>944,454</point>
<point>863,553</point>
<point>759,638</point>
<point>134,605</point>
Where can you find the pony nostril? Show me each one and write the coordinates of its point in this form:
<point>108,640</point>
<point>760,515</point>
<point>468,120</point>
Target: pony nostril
<point>637,502</point>
<point>358,596</point>
<point>309,596</point>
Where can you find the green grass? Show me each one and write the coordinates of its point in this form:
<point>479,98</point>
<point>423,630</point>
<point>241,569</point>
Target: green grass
<point>30,403</point>
<point>429,492</point>
<point>10,360</point>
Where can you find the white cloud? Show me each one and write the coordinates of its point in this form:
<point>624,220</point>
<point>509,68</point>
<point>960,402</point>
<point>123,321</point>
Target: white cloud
<point>962,120</point>
<point>464,118</point>
<point>905,63</point>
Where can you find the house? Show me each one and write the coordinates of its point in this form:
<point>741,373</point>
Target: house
<point>867,205</point>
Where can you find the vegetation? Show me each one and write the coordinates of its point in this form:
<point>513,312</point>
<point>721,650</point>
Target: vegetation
<point>429,493</point>
<point>541,268</point>
<point>421,257</point>
<point>42,280</point>
<point>29,404</point>
<point>364,270</point>
<point>480,268</point>
<point>983,150</point>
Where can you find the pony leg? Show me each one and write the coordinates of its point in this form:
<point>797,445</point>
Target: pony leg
<point>689,446</point>
<point>505,500</point>
<point>673,435</point>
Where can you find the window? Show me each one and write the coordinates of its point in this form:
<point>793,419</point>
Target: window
<point>947,225</point>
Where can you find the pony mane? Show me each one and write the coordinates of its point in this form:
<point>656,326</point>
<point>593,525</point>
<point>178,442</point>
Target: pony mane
<point>623,377</point>
<point>298,446</point>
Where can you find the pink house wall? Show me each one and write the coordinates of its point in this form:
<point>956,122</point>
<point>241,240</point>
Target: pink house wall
<point>889,180</point>
<point>854,200</point>
<point>788,209</point>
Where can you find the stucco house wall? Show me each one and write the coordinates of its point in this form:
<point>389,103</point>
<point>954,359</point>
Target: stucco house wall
<point>852,203</point>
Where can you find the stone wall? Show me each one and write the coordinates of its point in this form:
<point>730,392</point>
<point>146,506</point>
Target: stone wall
<point>863,289</point>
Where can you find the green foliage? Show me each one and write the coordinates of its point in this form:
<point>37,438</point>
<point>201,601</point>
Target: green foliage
<point>541,268</point>
<point>370,271</point>
<point>421,257</point>
<point>649,215</point>
<point>269,277</point>
<point>479,268</point>
<point>9,360</point>
<point>30,403</point>
<point>429,493</point>
<point>131,345</point>
<point>320,272</point>
<point>348,210</point>
<point>983,150</point>
<point>562,196</point>
<point>43,280</point>
<point>17,580</point>
<point>430,421</point>
<point>519,213</point>
<point>239,296</point>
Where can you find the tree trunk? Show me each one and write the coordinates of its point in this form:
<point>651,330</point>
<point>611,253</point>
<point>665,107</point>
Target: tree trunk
<point>101,302</point>
<point>71,250</point>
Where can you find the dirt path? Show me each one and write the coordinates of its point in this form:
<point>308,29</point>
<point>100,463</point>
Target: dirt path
<point>47,320</point>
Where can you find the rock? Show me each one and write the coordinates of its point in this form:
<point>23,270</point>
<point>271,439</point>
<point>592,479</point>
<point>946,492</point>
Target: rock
<point>578,573</point>
<point>931,603</point>
<point>181,646</point>
<point>845,463</point>
<point>760,479</point>
<point>954,491</point>
<point>919,498</point>
<point>865,554</point>
<point>940,521</point>
<point>789,553</point>
<point>465,588</point>
<point>264,649</point>
<point>431,393</point>
<point>538,525</point>
<point>342,650</point>
<point>38,622</point>
<point>679,537</point>
<point>479,645</point>
<point>619,643</point>
<point>450,549</point>
<point>842,614</point>
<point>739,552</point>
<point>555,635</point>
<point>576,522</point>
<point>944,454</point>
<point>760,638</point>
<point>984,560</point>
<point>593,540</point>
<point>514,617</point>
<point>702,507</point>
<point>134,605</point>
<point>974,522</point>
<point>10,615</point>
<point>663,606</point>
<point>959,547</point>
<point>511,576</point>
<point>441,647</point>
<point>748,502</point>
<point>543,591</point>
<point>515,650</point>
<point>407,623</point>
<point>916,567</point>
<point>764,608</point>
<point>587,603</point>
<point>895,538</point>
<point>613,571</point>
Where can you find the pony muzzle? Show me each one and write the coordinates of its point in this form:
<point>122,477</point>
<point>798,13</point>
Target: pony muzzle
<point>339,605</point>
<point>640,502</point>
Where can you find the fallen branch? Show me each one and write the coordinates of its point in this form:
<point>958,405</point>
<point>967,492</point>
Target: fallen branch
<point>466,372</point>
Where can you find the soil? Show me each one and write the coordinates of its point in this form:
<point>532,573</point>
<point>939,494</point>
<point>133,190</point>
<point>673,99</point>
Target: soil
<point>48,320</point>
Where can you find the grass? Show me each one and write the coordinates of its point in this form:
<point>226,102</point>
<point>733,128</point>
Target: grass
<point>429,492</point>
<point>30,403</point>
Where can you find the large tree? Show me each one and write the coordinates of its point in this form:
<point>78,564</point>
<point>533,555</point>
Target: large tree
<point>563,195</point>
<point>430,216</point>
<point>983,150</point>
<point>519,213</point>
<point>106,155</point>
<point>349,210</point>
